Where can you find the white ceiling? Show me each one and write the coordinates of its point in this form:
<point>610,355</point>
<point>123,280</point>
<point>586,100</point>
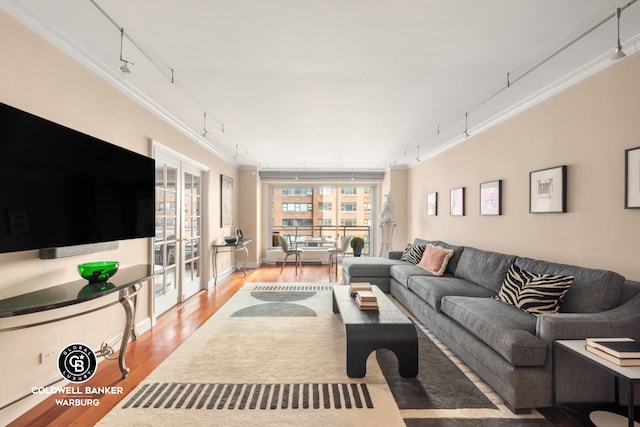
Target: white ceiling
<point>334,84</point>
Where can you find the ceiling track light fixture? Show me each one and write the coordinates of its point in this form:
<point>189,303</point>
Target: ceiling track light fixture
<point>466,125</point>
<point>205,132</point>
<point>125,64</point>
<point>619,53</point>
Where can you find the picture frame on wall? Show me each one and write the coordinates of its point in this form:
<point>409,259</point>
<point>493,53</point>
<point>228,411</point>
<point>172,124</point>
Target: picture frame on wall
<point>456,207</point>
<point>432,203</point>
<point>226,201</point>
<point>491,197</point>
<point>632,178</point>
<point>548,190</point>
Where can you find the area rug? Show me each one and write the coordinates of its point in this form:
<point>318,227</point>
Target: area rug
<point>446,393</point>
<point>273,355</point>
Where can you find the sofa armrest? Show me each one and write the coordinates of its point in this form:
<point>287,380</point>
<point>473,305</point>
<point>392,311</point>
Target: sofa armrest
<point>621,321</point>
<point>394,254</point>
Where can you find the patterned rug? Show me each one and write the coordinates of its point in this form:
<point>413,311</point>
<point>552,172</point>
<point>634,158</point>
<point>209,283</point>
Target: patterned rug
<point>275,354</point>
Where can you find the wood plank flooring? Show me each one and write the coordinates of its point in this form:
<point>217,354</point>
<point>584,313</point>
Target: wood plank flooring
<point>153,347</point>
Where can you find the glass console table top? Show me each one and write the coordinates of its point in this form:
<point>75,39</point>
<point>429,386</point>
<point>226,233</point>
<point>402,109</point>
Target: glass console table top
<point>73,292</point>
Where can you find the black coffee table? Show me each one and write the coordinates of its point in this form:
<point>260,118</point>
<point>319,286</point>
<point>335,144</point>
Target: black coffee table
<point>370,330</point>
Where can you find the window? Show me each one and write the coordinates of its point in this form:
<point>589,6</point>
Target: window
<point>297,191</point>
<point>297,207</point>
<point>297,222</point>
<point>348,207</point>
<point>323,210</point>
<point>324,206</point>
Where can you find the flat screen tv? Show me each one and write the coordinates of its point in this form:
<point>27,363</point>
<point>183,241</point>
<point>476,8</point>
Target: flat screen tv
<point>60,187</point>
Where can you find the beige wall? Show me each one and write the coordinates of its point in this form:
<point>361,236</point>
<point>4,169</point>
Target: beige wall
<point>587,128</point>
<point>40,79</point>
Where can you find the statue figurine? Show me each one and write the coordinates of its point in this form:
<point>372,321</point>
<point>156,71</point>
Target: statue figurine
<point>387,214</point>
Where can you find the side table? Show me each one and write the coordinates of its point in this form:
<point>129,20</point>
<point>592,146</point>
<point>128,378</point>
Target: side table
<point>628,374</point>
<point>230,247</point>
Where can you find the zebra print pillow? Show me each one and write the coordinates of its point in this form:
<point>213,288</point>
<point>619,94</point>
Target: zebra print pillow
<point>413,253</point>
<point>534,293</point>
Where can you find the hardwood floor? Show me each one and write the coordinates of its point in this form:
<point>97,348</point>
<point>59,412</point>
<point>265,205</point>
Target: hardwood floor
<point>153,347</point>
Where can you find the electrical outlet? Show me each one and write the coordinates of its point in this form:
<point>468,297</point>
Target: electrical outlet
<point>46,355</point>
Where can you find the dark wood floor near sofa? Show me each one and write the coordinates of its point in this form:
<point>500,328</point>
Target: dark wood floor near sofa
<point>153,347</point>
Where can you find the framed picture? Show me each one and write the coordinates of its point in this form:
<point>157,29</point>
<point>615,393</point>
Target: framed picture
<point>632,178</point>
<point>432,204</point>
<point>226,201</point>
<point>491,198</point>
<point>548,190</point>
<point>457,202</point>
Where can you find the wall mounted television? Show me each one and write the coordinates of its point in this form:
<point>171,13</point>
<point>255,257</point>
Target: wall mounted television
<point>60,187</point>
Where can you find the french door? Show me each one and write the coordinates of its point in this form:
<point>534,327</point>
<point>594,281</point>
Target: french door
<point>178,240</point>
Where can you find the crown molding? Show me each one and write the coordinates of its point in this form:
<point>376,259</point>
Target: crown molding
<point>43,27</point>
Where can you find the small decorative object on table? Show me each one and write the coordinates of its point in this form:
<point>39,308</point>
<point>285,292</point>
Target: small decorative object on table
<point>357,243</point>
<point>100,271</point>
<point>230,240</point>
<point>366,301</point>
<point>98,274</point>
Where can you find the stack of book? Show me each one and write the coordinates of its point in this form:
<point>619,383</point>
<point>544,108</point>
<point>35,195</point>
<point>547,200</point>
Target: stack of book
<point>355,287</point>
<point>621,351</point>
<point>366,300</point>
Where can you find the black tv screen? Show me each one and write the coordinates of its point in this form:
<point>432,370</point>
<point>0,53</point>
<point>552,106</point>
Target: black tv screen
<point>60,187</point>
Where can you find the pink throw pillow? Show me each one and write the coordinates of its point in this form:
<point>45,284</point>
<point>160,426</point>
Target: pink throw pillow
<point>435,259</point>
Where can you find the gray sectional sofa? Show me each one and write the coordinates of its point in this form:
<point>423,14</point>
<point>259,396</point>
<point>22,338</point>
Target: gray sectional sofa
<point>507,347</point>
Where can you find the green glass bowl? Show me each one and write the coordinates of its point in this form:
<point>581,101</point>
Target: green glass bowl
<point>96,272</point>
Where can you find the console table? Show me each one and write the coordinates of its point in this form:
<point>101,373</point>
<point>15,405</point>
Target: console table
<point>230,247</point>
<point>127,282</point>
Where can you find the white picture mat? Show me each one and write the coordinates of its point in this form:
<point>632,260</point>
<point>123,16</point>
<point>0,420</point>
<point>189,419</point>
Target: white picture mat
<point>546,192</point>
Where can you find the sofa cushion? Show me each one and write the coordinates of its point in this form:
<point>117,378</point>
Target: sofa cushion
<point>592,290</point>
<point>369,266</point>
<point>412,253</point>
<point>534,293</point>
<point>431,289</point>
<point>452,265</point>
<point>402,272</point>
<point>435,259</point>
<point>487,269</point>
<point>504,328</point>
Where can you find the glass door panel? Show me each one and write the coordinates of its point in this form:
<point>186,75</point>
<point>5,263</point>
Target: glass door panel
<point>191,220</point>
<point>165,285</point>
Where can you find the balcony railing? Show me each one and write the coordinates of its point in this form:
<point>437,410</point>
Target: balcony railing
<point>302,235</point>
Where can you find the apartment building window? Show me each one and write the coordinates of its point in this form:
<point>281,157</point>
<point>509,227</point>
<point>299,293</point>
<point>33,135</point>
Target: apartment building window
<point>297,207</point>
<point>324,222</point>
<point>348,207</point>
<point>325,206</point>
<point>348,222</point>
<point>352,191</point>
<point>325,191</point>
<point>297,191</point>
<point>367,207</point>
<point>295,222</point>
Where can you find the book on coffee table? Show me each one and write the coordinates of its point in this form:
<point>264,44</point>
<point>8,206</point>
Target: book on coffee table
<point>355,287</point>
<point>366,300</point>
